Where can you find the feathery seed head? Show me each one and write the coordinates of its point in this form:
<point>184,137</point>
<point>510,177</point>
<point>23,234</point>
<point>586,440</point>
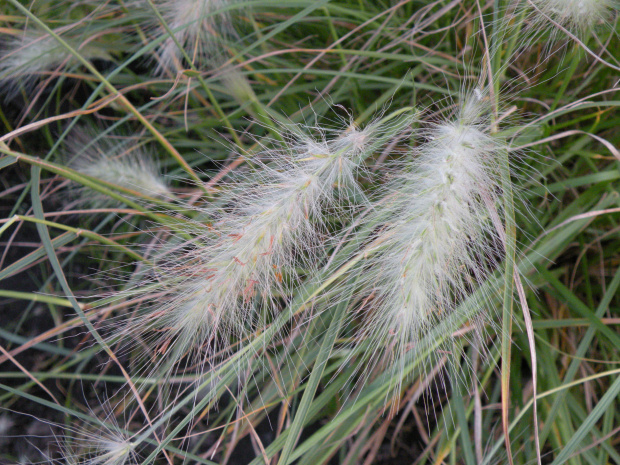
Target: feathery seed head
<point>555,18</point>
<point>33,53</point>
<point>112,452</point>
<point>270,226</point>
<point>116,163</point>
<point>102,444</point>
<point>238,85</point>
<point>197,27</point>
<point>99,448</point>
<point>578,16</point>
<point>437,243</point>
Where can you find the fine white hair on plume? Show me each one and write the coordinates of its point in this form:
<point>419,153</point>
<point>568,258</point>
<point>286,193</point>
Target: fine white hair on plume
<point>24,58</point>
<point>114,160</point>
<point>437,243</point>
<point>99,441</point>
<point>554,19</point>
<point>233,278</point>
<point>100,446</point>
<point>236,84</point>
<point>105,444</point>
<point>578,16</point>
<point>197,26</point>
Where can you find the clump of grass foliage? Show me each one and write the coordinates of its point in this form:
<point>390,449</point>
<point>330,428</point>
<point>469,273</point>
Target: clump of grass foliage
<point>315,231</point>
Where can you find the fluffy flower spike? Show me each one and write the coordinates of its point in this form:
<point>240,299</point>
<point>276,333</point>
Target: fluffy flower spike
<point>438,242</point>
<point>114,162</point>
<point>578,16</point>
<point>25,58</point>
<point>196,25</point>
<point>548,21</point>
<point>101,441</point>
<point>100,446</point>
<point>233,279</point>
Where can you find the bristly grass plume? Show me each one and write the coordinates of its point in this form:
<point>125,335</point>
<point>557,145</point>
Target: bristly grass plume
<point>103,445</point>
<point>578,16</point>
<point>99,441</point>
<point>114,160</point>
<point>230,281</point>
<point>436,241</point>
<point>32,54</point>
<point>553,22</point>
<point>198,27</point>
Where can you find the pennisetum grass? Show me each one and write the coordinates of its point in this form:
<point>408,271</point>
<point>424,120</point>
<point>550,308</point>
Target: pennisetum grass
<point>31,55</point>
<point>112,160</point>
<point>579,17</point>
<point>270,220</point>
<point>305,295</point>
<point>199,28</point>
<point>98,447</point>
<point>559,22</point>
<point>436,238</point>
